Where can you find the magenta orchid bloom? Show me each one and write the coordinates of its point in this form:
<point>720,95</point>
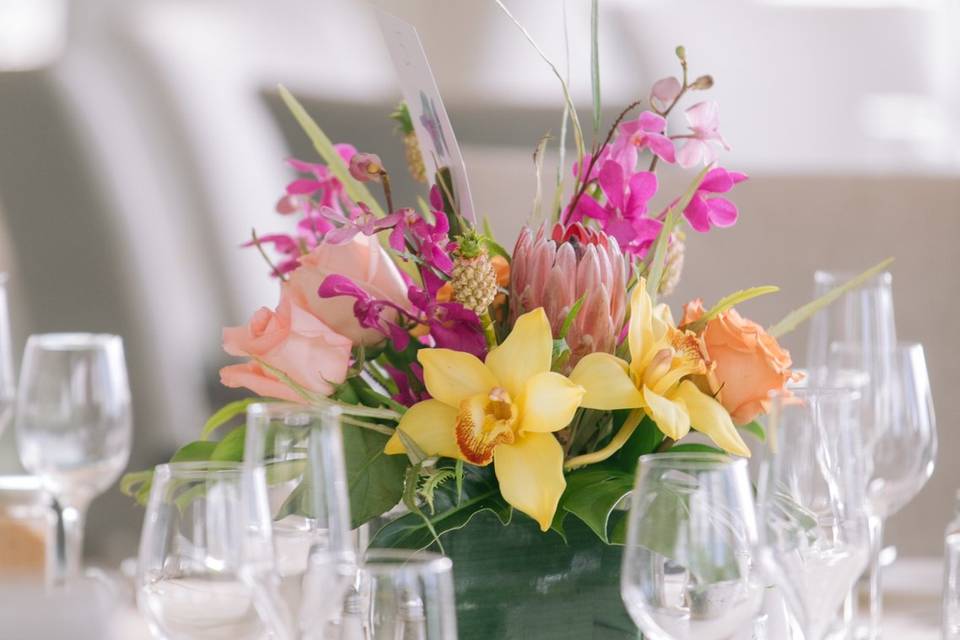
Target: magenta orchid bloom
<point>361,220</point>
<point>705,211</point>
<point>664,92</point>
<point>322,185</point>
<point>430,242</point>
<point>704,120</point>
<point>624,214</point>
<point>646,132</point>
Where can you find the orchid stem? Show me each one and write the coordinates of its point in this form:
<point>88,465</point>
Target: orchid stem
<point>387,192</point>
<point>488,331</point>
<point>259,246</point>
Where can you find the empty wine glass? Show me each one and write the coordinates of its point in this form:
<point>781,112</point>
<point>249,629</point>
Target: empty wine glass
<point>400,595</point>
<point>7,380</point>
<point>205,563</point>
<point>73,424</point>
<point>295,455</point>
<point>811,503</point>
<point>687,571</point>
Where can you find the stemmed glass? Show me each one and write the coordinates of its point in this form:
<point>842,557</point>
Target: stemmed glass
<point>811,503</point>
<point>294,457</point>
<point>687,571</point>
<point>73,424</point>
<point>7,380</point>
<point>400,595</point>
<point>205,569</point>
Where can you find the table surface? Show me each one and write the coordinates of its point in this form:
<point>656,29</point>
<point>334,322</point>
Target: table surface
<point>912,590</point>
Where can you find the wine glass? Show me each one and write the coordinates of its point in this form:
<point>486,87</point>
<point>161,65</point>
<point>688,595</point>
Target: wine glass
<point>7,380</point>
<point>205,562</point>
<point>811,503</point>
<point>294,455</point>
<point>687,571</point>
<point>400,595</point>
<point>73,424</point>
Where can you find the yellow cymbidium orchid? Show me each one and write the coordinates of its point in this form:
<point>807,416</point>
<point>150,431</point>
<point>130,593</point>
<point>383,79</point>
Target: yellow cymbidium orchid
<point>655,381</point>
<point>504,410</point>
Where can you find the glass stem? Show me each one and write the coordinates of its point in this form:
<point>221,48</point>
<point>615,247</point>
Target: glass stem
<point>876,589</point>
<point>73,517</point>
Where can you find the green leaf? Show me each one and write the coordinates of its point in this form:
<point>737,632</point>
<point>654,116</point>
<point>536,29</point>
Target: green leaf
<point>480,493</point>
<point>727,303</point>
<point>644,440</point>
<point>374,479</point>
<point>756,429</point>
<point>793,319</point>
<point>230,449</point>
<point>671,220</point>
<point>592,494</point>
<point>414,452</point>
<point>571,316</point>
<point>695,447</point>
<point>226,413</point>
<point>195,451</point>
<point>137,485</point>
<point>357,191</point>
<point>595,63</point>
<point>536,215</point>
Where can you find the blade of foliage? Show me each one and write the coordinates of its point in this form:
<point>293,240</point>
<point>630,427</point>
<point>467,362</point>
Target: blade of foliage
<point>536,215</point>
<point>480,493</point>
<point>644,440</point>
<point>226,413</point>
<point>592,494</point>
<point>671,220</point>
<point>577,131</point>
<point>137,485</point>
<point>595,63</point>
<point>728,302</point>
<point>793,319</point>
<point>571,316</point>
<point>195,451</point>
<point>410,490</point>
<point>695,447</point>
<point>756,429</point>
<point>414,452</point>
<point>230,449</point>
<point>374,479</point>
<point>357,191</point>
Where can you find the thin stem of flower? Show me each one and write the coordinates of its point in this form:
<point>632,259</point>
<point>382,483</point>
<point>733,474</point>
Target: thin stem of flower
<point>489,332</point>
<point>596,154</point>
<point>666,444</point>
<point>363,424</point>
<point>259,246</point>
<point>629,426</point>
<point>387,193</point>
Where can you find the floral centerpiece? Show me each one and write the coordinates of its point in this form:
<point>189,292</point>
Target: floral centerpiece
<point>522,384</point>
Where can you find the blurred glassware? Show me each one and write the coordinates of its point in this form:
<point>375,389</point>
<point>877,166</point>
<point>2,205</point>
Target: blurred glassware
<point>73,424</point>
<point>7,379</point>
<point>400,595</point>
<point>28,530</point>
<point>687,571</point>
<point>811,503</point>
<point>951,576</point>
<point>206,563</point>
<point>294,454</point>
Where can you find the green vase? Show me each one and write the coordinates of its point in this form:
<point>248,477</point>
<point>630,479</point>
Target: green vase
<point>518,583</point>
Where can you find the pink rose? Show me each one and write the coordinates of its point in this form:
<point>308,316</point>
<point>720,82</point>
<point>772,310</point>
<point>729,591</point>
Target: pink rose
<point>291,340</point>
<point>363,261</point>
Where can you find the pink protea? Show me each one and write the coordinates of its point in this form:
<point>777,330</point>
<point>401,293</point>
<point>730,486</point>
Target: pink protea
<point>553,268</point>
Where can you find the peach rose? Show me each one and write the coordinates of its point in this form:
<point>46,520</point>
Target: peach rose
<point>749,362</point>
<point>292,340</point>
<point>364,261</point>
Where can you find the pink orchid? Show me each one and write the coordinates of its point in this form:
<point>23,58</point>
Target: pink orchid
<point>705,212</point>
<point>361,220</point>
<point>664,92</point>
<point>704,120</point>
<point>623,215</point>
<point>366,167</point>
<point>646,132</point>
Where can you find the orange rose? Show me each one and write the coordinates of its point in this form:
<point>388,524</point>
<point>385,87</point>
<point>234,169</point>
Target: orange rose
<point>749,362</point>
<point>292,340</point>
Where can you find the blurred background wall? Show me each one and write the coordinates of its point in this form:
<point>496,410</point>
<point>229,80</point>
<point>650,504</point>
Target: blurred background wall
<point>140,140</point>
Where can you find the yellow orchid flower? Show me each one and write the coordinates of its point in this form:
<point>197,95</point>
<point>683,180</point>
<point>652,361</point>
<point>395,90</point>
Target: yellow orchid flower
<point>661,358</point>
<point>503,411</point>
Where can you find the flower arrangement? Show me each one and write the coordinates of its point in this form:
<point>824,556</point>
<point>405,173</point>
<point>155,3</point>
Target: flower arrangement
<point>475,378</point>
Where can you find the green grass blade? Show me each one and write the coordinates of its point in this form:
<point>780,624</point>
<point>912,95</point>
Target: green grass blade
<point>796,317</point>
<point>595,64</point>
<point>727,303</point>
<point>669,223</point>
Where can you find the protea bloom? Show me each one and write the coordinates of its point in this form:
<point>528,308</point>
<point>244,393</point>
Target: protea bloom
<point>555,267</point>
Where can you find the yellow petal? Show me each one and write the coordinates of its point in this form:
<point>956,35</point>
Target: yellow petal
<point>607,382</point>
<point>710,418</point>
<point>640,335</point>
<point>526,352</point>
<point>431,425</point>
<point>530,473</point>
<point>670,415</point>
<point>478,431</point>
<point>549,402</point>
<point>453,376</point>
